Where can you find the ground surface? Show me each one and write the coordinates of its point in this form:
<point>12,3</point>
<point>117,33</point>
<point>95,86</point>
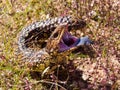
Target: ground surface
<point>98,69</point>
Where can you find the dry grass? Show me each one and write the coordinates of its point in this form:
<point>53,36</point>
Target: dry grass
<point>103,27</point>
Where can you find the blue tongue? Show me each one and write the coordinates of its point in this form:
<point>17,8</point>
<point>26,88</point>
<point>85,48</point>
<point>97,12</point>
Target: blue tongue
<point>68,41</point>
<point>80,41</point>
<point>83,41</point>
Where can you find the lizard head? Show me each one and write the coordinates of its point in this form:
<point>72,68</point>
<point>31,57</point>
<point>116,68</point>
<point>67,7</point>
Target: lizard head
<point>63,40</point>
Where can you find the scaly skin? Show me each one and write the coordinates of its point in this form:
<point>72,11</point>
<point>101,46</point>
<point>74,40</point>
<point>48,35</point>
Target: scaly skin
<point>47,26</point>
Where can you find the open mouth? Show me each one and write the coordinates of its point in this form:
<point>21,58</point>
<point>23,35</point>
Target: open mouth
<point>69,41</point>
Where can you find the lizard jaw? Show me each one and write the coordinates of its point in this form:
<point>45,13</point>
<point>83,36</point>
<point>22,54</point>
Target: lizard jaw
<point>69,41</point>
<point>62,40</point>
